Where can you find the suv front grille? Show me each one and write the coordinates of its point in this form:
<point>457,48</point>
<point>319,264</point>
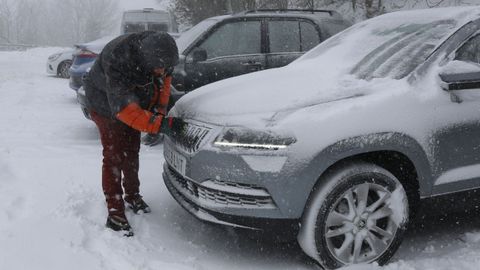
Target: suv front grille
<point>217,197</point>
<point>186,135</point>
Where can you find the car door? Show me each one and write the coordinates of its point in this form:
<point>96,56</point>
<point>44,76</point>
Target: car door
<point>288,39</point>
<point>232,48</point>
<point>457,141</point>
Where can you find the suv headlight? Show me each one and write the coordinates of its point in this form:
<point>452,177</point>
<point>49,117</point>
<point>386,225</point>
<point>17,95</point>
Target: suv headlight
<point>252,139</point>
<point>54,56</point>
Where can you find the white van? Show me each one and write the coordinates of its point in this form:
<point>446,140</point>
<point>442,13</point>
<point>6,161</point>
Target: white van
<point>148,19</point>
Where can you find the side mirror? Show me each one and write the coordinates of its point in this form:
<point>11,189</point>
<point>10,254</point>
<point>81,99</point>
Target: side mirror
<point>460,75</point>
<point>199,55</point>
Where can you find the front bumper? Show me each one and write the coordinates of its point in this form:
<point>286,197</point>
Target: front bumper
<point>186,194</point>
<point>243,189</point>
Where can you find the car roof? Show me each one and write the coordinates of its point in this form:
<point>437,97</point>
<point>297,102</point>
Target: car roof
<point>146,10</point>
<point>318,15</point>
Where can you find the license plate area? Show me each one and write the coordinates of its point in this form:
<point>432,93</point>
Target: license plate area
<point>175,160</point>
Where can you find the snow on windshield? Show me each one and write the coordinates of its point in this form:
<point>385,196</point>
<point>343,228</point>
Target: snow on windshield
<point>391,45</point>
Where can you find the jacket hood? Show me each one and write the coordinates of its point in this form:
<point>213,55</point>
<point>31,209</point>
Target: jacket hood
<point>157,50</point>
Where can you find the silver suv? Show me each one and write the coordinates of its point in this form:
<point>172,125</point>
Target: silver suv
<point>342,143</point>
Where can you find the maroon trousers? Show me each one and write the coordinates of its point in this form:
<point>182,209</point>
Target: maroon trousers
<point>121,145</point>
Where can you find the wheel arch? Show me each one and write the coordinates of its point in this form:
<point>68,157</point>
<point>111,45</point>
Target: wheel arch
<point>397,153</point>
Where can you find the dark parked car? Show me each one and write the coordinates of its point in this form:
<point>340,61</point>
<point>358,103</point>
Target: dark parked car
<point>382,115</point>
<point>227,46</point>
<point>231,45</point>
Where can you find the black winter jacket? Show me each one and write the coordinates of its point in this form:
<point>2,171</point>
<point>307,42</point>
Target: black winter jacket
<point>122,73</point>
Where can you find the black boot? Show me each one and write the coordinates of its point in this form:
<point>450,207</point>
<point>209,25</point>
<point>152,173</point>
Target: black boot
<point>136,203</point>
<point>119,223</point>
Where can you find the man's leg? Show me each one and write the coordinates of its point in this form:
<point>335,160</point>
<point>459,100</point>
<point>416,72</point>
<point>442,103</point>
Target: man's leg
<point>130,167</point>
<point>111,134</point>
<point>130,164</point>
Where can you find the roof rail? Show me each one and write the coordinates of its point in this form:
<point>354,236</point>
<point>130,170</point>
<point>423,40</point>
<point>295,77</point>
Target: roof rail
<point>331,12</point>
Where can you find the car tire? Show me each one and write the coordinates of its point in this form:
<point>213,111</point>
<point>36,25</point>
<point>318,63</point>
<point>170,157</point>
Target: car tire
<point>358,213</point>
<point>63,68</point>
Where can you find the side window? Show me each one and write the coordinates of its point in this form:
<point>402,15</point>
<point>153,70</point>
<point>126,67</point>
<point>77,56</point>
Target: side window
<point>235,38</point>
<point>284,36</point>
<point>470,51</point>
<point>309,37</point>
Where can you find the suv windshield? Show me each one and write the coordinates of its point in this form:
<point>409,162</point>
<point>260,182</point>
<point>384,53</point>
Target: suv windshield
<point>189,36</point>
<point>384,47</point>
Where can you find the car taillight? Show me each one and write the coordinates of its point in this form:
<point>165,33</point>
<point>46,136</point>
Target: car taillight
<point>86,53</point>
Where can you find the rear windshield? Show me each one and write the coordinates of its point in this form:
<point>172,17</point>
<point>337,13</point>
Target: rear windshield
<point>390,49</point>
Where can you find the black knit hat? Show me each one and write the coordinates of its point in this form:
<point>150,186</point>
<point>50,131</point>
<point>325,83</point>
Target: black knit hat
<point>158,50</point>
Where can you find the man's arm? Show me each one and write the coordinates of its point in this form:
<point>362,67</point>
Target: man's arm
<point>125,105</point>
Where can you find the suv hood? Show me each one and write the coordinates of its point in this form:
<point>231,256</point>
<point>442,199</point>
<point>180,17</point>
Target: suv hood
<point>263,96</point>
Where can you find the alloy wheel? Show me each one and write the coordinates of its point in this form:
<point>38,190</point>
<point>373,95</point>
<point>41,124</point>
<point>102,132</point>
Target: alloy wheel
<point>361,225</point>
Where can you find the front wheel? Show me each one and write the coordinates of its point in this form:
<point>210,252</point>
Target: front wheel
<point>63,68</point>
<point>357,214</point>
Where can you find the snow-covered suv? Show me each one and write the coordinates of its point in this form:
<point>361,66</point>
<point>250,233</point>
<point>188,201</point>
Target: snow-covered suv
<point>342,143</point>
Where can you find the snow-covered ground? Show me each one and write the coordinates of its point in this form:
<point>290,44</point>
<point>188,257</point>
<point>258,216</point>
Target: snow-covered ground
<point>52,209</point>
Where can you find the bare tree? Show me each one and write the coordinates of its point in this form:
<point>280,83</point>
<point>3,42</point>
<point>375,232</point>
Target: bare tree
<point>193,11</point>
<point>280,4</point>
<point>53,22</point>
<point>88,19</point>
<point>6,21</point>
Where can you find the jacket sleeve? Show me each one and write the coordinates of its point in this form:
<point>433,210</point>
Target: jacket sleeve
<point>143,120</point>
<point>140,119</point>
<point>164,95</point>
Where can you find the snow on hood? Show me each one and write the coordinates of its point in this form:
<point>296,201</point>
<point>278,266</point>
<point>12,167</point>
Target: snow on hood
<point>268,92</point>
<point>385,49</point>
